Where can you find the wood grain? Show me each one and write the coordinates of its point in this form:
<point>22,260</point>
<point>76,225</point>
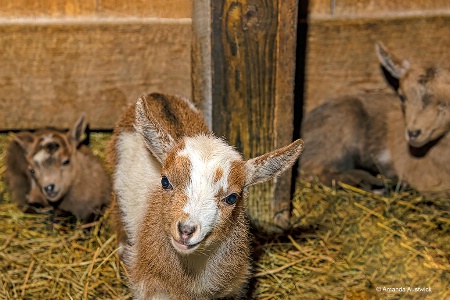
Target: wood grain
<point>52,72</point>
<point>202,58</point>
<point>380,8</point>
<point>105,8</point>
<point>253,46</point>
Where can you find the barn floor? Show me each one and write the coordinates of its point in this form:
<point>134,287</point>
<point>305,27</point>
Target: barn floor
<point>345,244</point>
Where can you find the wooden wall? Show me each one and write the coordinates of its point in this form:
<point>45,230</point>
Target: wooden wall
<point>60,58</point>
<point>105,8</point>
<point>342,33</point>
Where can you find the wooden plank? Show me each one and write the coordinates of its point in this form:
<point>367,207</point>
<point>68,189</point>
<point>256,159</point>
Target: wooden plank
<point>253,46</point>
<point>52,72</point>
<point>147,8</point>
<point>201,58</point>
<point>284,105</point>
<point>49,8</point>
<point>380,8</point>
<point>105,8</point>
<point>341,56</point>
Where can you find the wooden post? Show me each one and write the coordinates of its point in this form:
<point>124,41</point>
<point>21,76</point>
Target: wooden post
<point>201,58</point>
<point>252,50</point>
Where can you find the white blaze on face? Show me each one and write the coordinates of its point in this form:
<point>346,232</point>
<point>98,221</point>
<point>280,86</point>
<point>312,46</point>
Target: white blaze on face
<point>206,155</point>
<point>43,155</point>
<point>40,157</point>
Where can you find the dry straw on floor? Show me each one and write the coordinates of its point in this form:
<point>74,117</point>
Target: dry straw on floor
<point>345,243</point>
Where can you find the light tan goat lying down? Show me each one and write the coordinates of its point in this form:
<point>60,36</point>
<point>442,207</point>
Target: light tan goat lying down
<point>180,193</point>
<point>52,167</point>
<point>352,138</point>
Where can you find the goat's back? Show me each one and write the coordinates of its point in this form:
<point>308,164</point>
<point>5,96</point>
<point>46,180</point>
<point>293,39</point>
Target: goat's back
<point>175,114</point>
<point>91,191</point>
<point>346,133</point>
<point>17,176</point>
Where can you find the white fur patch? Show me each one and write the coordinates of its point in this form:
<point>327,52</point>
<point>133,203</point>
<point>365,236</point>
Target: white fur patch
<point>41,156</point>
<point>47,138</point>
<point>136,173</point>
<point>161,296</point>
<point>206,155</point>
<point>141,295</point>
<point>384,158</point>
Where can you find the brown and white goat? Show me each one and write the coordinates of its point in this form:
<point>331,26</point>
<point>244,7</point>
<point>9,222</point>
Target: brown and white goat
<point>352,138</point>
<point>51,168</point>
<point>181,199</point>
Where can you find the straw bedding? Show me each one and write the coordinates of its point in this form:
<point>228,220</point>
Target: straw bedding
<point>344,244</point>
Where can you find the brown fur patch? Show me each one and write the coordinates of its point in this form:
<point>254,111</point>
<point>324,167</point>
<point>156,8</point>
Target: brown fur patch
<point>56,144</point>
<point>176,167</point>
<point>236,178</point>
<point>427,76</point>
<point>175,116</point>
<point>218,174</point>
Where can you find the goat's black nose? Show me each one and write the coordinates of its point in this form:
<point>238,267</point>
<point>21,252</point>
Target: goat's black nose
<point>413,134</point>
<point>186,230</point>
<point>49,188</point>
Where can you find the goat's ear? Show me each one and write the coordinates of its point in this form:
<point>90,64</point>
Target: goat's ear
<point>24,140</point>
<point>78,129</point>
<point>269,165</point>
<point>393,68</point>
<point>157,140</point>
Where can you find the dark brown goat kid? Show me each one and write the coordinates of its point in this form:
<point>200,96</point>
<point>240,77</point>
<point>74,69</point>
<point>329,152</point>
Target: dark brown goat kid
<point>403,135</point>
<point>51,167</point>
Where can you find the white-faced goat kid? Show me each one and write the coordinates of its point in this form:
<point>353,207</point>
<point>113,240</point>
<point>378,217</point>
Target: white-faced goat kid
<point>404,135</point>
<point>61,172</point>
<point>180,192</point>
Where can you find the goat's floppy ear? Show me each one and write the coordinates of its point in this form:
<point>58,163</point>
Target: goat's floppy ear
<point>157,140</point>
<point>76,132</point>
<point>269,165</point>
<point>24,140</point>
<point>393,67</point>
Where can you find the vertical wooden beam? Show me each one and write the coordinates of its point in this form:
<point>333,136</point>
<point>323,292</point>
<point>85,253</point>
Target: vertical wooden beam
<point>252,81</point>
<point>201,58</point>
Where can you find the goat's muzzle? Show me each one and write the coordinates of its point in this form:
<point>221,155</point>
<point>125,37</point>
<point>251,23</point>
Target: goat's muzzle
<point>183,242</point>
<point>51,192</point>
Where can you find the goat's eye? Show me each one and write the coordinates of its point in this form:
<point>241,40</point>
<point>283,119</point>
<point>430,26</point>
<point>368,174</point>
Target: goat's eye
<point>66,162</point>
<point>442,105</point>
<point>166,183</point>
<point>402,98</point>
<point>231,199</point>
<point>31,170</point>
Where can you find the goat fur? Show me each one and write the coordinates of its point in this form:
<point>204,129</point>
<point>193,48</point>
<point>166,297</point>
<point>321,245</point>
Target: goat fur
<point>87,187</point>
<point>163,138</point>
<point>353,138</point>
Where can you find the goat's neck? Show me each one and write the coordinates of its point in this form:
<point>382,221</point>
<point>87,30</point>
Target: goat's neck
<point>78,167</point>
<point>195,263</point>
